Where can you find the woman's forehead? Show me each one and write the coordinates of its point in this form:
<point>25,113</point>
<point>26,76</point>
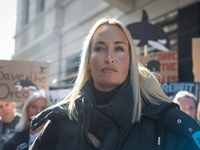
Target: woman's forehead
<point>108,31</point>
<point>108,27</point>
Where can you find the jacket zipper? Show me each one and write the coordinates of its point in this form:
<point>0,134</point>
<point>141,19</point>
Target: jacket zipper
<point>84,124</point>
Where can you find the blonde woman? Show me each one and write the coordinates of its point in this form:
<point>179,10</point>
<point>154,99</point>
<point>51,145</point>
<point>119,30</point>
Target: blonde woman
<point>37,102</point>
<point>115,104</point>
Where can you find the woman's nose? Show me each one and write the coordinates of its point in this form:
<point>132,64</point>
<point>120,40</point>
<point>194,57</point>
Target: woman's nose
<point>109,59</point>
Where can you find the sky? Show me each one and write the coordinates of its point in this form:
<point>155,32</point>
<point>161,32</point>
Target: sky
<point>7,28</point>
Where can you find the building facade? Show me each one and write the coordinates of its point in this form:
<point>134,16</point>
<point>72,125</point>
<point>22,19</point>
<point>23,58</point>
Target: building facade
<point>53,30</point>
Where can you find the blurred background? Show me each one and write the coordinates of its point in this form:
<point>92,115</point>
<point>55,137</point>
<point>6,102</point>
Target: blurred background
<point>53,30</point>
<point>7,28</point>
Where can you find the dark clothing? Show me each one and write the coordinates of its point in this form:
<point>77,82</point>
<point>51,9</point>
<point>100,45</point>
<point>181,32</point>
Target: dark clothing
<point>111,124</point>
<point>7,130</point>
<point>20,139</point>
<point>102,98</point>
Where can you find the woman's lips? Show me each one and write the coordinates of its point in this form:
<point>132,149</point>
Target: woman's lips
<point>109,69</point>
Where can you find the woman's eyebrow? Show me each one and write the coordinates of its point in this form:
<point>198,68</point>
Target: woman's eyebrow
<point>100,42</point>
<point>116,42</point>
<point>119,42</point>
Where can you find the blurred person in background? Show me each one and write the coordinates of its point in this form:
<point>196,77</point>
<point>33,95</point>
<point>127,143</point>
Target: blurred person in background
<point>116,103</point>
<point>8,120</point>
<point>187,103</point>
<point>24,136</point>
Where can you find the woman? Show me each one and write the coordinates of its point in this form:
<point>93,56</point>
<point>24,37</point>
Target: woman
<point>24,136</point>
<point>115,103</point>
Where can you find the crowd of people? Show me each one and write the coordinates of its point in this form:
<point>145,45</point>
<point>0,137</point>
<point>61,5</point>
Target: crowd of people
<point>115,104</point>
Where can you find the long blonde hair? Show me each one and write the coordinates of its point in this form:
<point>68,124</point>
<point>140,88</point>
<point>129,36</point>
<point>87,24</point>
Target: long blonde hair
<point>24,121</point>
<point>143,81</point>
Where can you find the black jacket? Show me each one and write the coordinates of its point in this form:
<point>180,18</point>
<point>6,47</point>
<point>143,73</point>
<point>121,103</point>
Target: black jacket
<point>20,139</point>
<point>162,127</point>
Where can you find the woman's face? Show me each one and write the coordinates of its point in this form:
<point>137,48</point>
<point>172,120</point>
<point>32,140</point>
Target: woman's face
<point>188,106</point>
<point>36,107</point>
<point>109,60</point>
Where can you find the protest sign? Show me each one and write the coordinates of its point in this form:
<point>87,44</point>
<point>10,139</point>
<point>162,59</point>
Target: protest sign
<point>171,89</point>
<point>17,78</point>
<point>195,59</point>
<point>163,63</point>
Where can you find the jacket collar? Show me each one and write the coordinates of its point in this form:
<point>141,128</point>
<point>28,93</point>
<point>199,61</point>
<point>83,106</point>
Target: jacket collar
<point>153,111</point>
<point>119,110</point>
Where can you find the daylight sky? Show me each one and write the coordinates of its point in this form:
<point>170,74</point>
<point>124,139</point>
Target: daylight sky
<point>7,28</point>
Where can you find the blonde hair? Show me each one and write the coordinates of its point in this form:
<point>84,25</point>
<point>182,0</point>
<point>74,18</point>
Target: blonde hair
<point>182,94</point>
<point>186,94</point>
<point>24,121</point>
<point>142,80</point>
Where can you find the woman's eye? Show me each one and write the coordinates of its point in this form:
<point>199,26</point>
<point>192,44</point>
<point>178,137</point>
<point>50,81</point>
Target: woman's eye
<point>98,48</point>
<point>33,107</point>
<point>119,49</point>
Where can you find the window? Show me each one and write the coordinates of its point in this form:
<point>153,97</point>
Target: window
<point>26,11</point>
<point>72,65</point>
<point>40,5</point>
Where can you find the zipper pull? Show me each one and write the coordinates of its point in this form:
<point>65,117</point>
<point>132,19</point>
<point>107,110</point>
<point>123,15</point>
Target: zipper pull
<point>158,140</point>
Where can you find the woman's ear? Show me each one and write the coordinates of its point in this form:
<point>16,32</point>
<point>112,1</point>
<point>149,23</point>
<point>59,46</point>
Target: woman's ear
<point>88,67</point>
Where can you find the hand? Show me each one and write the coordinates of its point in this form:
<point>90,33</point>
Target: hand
<point>51,113</point>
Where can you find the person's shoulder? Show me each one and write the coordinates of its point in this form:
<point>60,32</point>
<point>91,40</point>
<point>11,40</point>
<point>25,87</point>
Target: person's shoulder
<point>17,115</point>
<point>183,125</point>
<point>181,122</point>
<point>172,118</point>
